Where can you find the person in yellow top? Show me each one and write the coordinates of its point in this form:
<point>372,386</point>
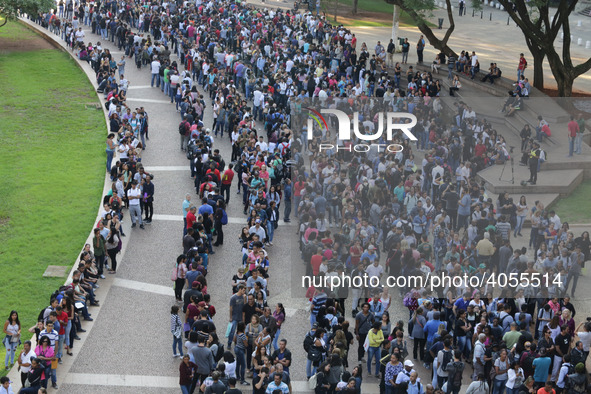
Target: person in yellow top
<point>375,337</point>
<point>485,249</point>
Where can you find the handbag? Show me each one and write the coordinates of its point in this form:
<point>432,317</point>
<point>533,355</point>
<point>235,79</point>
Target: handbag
<point>313,381</point>
<point>16,339</point>
<point>187,327</point>
<point>174,275</point>
<point>228,330</point>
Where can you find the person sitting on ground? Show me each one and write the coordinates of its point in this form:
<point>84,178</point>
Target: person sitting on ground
<point>494,73</point>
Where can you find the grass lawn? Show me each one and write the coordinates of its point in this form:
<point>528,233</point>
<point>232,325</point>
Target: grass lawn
<point>52,166</point>
<point>569,208</point>
<point>371,6</point>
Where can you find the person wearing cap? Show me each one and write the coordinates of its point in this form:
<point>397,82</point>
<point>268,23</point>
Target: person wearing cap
<point>134,195</point>
<point>258,229</point>
<point>370,254</point>
<point>404,375</point>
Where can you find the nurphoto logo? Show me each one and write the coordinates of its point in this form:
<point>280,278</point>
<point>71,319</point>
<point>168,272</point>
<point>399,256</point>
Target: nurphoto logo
<point>386,121</point>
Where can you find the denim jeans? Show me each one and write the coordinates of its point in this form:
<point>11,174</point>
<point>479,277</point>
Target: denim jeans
<point>499,386</point>
<point>232,332</point>
<point>286,210</point>
<point>465,345</point>
<point>310,369</point>
<point>177,342</point>
<point>110,154</point>
<point>240,363</point>
<point>373,352</point>
<point>312,319</point>
<point>60,346</point>
<point>10,352</point>
<point>186,389</point>
<point>520,220</point>
<point>578,143</point>
<point>68,330</point>
<point>270,230</point>
<point>276,339</point>
<point>571,145</point>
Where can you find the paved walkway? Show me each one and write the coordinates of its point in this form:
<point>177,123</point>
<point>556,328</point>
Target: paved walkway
<point>129,344</point>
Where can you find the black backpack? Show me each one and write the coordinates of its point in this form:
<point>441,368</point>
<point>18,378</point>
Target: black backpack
<point>220,353</point>
<point>183,127</point>
<point>446,359</point>
<point>457,377</point>
<point>308,342</point>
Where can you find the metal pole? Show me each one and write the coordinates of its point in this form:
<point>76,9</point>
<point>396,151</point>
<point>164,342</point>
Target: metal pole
<point>490,17</point>
<point>472,13</point>
<point>508,20</point>
<point>481,14</point>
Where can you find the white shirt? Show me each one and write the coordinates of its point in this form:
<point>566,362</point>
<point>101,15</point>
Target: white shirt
<point>372,271</point>
<point>134,193</point>
<point>257,97</point>
<point>155,67</point>
<point>80,35</point>
<point>123,149</point>
<point>437,170</point>
<point>474,60</point>
<point>26,359</point>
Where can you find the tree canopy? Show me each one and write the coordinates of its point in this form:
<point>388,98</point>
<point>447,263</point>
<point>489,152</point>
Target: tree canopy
<point>10,9</point>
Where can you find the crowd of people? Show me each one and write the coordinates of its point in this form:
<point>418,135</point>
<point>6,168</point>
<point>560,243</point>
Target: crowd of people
<point>373,214</point>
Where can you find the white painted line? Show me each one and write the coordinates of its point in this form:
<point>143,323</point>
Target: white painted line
<point>168,168</point>
<point>172,218</point>
<point>149,100</point>
<point>298,386</point>
<point>179,218</point>
<point>121,380</point>
<point>151,288</point>
<point>141,87</point>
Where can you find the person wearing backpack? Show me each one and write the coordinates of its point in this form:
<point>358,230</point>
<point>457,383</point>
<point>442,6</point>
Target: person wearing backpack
<point>220,219</point>
<point>308,343</point>
<point>444,357</point>
<point>184,133</point>
<point>455,370</point>
<point>565,369</point>
<point>577,383</point>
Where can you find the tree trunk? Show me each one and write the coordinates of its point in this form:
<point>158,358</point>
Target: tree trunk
<point>395,23</point>
<point>355,7</point>
<point>336,8</point>
<point>436,42</point>
<point>538,56</point>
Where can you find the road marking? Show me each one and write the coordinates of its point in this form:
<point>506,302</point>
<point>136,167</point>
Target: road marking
<point>167,168</point>
<point>231,220</point>
<point>121,380</point>
<point>149,100</point>
<point>140,87</point>
<point>151,288</point>
<point>298,386</point>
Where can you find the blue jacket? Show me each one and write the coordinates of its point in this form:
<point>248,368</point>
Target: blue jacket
<point>431,329</point>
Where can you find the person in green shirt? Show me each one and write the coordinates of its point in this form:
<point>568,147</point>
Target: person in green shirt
<point>511,337</point>
<point>166,80</point>
<point>425,248</point>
